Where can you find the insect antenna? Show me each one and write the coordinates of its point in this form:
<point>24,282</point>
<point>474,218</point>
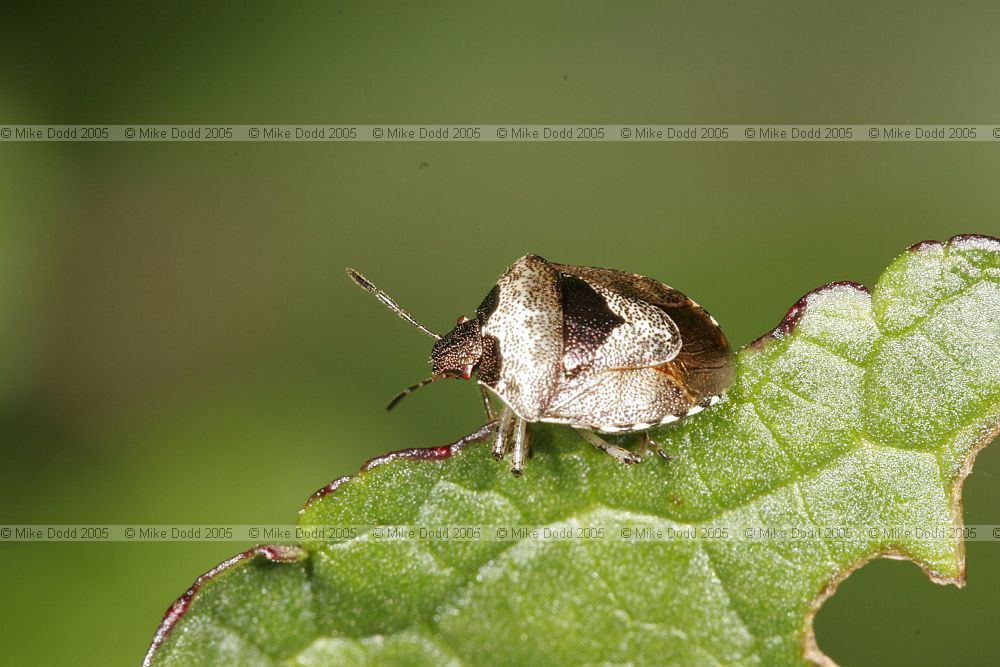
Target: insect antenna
<point>392,305</point>
<point>412,388</point>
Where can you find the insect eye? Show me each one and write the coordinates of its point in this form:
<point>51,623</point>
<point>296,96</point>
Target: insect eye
<point>462,319</point>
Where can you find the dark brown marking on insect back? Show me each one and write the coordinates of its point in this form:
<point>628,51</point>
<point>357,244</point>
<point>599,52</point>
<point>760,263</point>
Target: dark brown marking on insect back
<point>489,304</point>
<point>489,364</point>
<point>587,322</point>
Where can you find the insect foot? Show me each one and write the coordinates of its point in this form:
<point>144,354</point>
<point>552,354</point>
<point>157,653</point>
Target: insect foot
<point>647,444</point>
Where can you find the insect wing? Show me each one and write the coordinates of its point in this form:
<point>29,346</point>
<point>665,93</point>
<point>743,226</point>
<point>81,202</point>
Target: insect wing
<point>605,327</point>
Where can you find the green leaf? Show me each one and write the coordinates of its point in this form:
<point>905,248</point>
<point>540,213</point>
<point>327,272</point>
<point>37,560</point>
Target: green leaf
<point>858,410</point>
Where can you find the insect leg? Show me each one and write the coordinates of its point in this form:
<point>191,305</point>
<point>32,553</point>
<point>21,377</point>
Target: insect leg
<point>503,430</point>
<point>648,444</point>
<point>486,404</point>
<point>520,447</point>
<point>620,454</point>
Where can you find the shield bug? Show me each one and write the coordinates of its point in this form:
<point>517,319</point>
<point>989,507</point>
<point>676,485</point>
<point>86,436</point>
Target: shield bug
<point>600,350</point>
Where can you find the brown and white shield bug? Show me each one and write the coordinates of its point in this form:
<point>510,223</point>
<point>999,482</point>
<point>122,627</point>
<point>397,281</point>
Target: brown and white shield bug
<point>596,349</point>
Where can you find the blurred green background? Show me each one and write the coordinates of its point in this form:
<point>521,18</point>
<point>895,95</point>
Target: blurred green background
<point>179,343</point>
